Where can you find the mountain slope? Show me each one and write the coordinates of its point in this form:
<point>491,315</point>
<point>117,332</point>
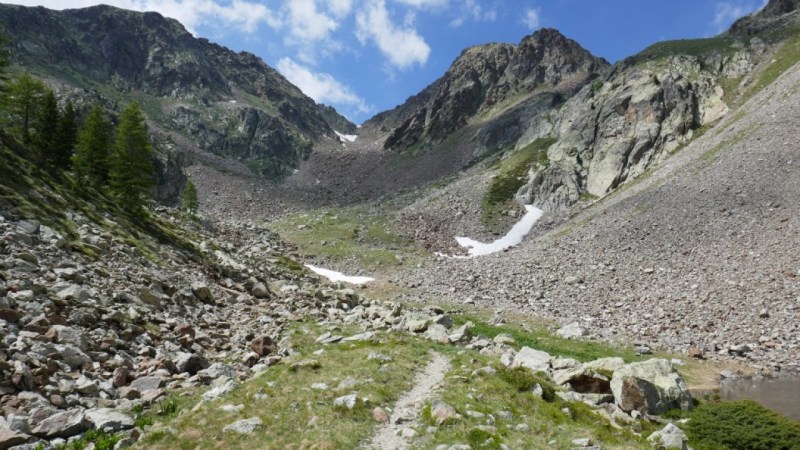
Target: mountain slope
<point>231,104</point>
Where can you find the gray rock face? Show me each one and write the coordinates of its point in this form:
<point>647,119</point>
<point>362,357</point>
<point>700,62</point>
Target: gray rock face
<point>483,77</point>
<point>651,386</point>
<point>571,331</point>
<point>616,129</point>
<point>63,424</point>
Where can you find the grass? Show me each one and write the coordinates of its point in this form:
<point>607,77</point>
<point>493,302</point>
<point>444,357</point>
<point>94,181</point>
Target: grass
<point>293,414</point>
<point>785,57</point>
<point>510,177</point>
<point>537,336</point>
<point>689,47</point>
<point>355,234</point>
<point>741,424</point>
<point>512,416</point>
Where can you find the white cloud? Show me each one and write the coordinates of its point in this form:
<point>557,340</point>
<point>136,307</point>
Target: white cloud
<point>424,3</point>
<point>322,87</point>
<point>403,46</point>
<point>340,8</point>
<point>725,13</point>
<point>531,18</point>
<point>307,23</point>
<point>471,9</point>
<point>241,14</point>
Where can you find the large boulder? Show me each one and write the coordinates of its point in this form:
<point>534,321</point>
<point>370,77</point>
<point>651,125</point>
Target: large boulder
<point>535,360</point>
<point>670,437</point>
<point>109,420</point>
<point>63,424</point>
<point>651,386</point>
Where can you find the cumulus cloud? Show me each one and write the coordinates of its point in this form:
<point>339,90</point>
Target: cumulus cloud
<point>531,18</point>
<point>725,13</point>
<point>471,9</point>
<point>402,46</point>
<point>240,14</point>
<point>307,23</point>
<point>322,87</point>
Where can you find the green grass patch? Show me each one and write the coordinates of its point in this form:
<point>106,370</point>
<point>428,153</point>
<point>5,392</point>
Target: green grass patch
<point>495,411</point>
<point>510,175</point>
<point>539,338</point>
<point>740,425</point>
<point>294,415</point>
<point>359,234</point>
<point>525,381</point>
<point>785,57</point>
<point>689,47</point>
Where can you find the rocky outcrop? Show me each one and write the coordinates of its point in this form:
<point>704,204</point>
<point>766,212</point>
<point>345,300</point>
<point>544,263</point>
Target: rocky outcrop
<point>484,78</point>
<point>618,127</point>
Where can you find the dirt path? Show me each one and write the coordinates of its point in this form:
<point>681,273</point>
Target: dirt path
<point>405,414</point>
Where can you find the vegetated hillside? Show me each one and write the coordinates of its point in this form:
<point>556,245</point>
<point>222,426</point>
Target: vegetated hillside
<point>198,94</point>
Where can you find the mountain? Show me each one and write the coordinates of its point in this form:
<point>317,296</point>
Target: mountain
<point>485,79</point>
<point>197,95</point>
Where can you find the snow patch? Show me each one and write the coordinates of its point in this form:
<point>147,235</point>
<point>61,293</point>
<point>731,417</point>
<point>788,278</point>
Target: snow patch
<point>338,276</point>
<point>346,137</point>
<point>514,236</point>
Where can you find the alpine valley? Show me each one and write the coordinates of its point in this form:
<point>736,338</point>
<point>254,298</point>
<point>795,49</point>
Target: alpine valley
<point>634,232</point>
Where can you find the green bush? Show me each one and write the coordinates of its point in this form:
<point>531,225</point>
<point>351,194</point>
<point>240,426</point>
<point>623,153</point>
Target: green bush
<point>741,425</point>
<point>524,381</point>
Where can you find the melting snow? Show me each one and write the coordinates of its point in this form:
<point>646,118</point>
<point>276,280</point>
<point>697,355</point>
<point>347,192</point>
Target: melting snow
<point>338,276</point>
<point>346,137</point>
<point>514,236</point>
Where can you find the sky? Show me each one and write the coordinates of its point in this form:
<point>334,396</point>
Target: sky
<point>367,56</point>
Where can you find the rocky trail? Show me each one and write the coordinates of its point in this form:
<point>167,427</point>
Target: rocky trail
<point>396,434</point>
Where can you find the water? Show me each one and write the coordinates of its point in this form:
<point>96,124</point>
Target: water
<point>781,394</point>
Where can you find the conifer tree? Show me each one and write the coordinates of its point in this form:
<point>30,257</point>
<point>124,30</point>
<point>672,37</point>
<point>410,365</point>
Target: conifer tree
<point>131,169</point>
<point>189,200</point>
<point>24,100</point>
<point>66,135</point>
<point>46,130</point>
<point>92,150</point>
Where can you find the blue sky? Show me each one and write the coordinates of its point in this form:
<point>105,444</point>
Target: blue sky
<point>366,56</point>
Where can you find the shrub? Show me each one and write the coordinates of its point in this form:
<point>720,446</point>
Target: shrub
<point>524,381</point>
<point>741,425</point>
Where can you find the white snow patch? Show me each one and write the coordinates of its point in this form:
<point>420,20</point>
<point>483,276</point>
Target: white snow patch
<point>346,137</point>
<point>514,236</point>
<point>338,276</point>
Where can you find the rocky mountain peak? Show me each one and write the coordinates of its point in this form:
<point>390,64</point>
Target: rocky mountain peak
<point>485,76</point>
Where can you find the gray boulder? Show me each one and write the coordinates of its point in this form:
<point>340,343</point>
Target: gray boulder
<point>651,386</point>
<point>670,437</point>
<point>109,420</point>
<point>535,360</point>
<point>63,424</point>
<point>190,362</point>
<point>244,426</point>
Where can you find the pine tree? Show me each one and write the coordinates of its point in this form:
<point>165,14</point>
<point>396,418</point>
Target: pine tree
<point>46,130</point>
<point>66,136</point>
<point>131,168</point>
<point>91,159</point>
<point>24,100</point>
<point>189,200</point>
